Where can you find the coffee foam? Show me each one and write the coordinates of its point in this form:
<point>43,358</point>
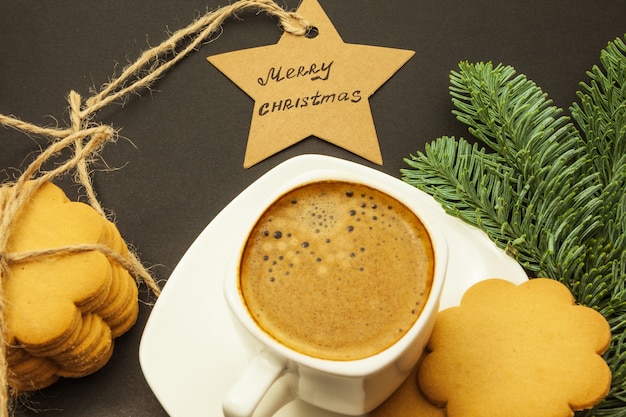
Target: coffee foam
<point>337,270</point>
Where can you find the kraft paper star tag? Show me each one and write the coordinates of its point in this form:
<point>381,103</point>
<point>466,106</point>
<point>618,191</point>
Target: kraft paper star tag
<point>311,86</point>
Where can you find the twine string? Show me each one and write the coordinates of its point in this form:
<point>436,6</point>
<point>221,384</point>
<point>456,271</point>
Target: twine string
<point>199,31</point>
<point>85,139</point>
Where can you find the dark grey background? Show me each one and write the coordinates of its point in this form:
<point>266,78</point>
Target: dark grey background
<point>181,148</point>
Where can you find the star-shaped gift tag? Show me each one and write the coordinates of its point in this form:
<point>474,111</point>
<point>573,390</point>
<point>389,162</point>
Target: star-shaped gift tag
<point>311,86</point>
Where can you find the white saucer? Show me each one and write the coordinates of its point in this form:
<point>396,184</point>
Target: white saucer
<point>190,354</point>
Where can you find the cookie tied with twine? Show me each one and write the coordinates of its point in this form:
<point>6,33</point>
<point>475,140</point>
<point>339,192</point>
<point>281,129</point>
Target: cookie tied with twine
<point>63,310</point>
<point>68,278</point>
<point>107,308</point>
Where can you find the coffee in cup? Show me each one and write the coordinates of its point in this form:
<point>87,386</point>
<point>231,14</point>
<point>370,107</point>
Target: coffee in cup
<point>336,270</point>
<point>334,287</point>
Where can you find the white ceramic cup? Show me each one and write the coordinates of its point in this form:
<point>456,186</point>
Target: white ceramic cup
<point>352,387</point>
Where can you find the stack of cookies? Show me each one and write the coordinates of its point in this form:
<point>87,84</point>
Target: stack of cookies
<point>63,312</point>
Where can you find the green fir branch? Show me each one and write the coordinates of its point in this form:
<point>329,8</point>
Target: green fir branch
<point>601,113</point>
<point>550,190</point>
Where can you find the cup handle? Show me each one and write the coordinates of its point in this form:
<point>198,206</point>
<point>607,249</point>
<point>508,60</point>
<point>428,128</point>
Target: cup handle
<point>245,395</point>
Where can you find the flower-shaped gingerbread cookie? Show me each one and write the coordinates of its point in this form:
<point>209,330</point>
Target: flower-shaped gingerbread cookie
<point>62,312</point>
<point>517,351</point>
